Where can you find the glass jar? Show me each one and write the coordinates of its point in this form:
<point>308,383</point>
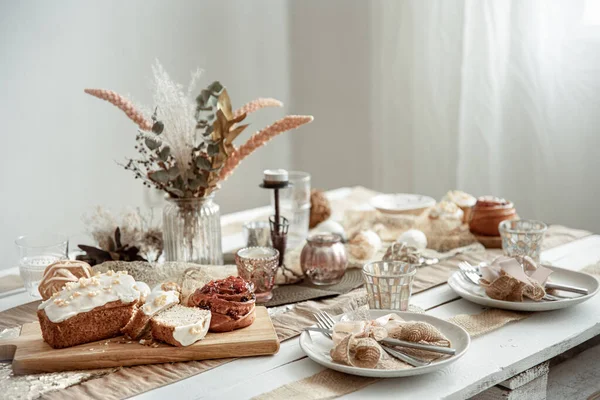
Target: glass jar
<point>192,230</point>
<point>323,259</point>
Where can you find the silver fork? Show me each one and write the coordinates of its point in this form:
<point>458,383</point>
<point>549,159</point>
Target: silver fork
<point>324,321</point>
<point>473,274</point>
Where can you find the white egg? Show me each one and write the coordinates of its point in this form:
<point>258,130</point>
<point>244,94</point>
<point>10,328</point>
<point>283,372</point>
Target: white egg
<point>364,245</point>
<point>413,237</point>
<point>331,227</point>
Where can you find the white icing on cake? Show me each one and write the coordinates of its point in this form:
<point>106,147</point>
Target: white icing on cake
<point>159,300</point>
<point>190,334</point>
<point>89,293</point>
<point>144,290</point>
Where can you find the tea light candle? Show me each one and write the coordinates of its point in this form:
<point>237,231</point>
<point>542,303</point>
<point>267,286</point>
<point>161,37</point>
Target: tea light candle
<point>271,176</point>
<point>259,266</point>
<point>257,252</point>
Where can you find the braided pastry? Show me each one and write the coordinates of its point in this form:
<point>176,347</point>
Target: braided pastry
<point>57,274</point>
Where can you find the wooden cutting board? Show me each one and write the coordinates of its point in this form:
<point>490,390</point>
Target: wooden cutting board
<point>30,354</point>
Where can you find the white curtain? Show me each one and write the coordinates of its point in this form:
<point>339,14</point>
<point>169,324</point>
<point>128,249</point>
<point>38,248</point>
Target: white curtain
<point>492,97</point>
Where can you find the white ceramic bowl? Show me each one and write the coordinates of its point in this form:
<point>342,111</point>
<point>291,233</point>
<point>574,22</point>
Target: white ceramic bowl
<point>402,203</point>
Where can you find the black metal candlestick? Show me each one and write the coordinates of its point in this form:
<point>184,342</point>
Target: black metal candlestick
<point>279,225</point>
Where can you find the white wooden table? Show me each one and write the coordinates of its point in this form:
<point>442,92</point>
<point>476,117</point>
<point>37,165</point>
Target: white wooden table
<point>492,358</point>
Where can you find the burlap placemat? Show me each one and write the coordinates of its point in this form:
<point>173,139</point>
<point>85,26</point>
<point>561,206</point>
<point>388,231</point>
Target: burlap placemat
<point>288,294</point>
<point>330,384</point>
<point>129,381</point>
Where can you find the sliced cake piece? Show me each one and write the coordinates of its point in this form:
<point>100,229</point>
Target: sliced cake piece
<point>180,326</point>
<point>160,298</point>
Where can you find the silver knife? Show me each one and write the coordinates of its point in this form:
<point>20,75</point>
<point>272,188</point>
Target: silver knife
<point>566,288</point>
<point>553,285</point>
<point>400,343</point>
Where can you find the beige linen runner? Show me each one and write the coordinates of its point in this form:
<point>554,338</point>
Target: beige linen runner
<point>129,381</point>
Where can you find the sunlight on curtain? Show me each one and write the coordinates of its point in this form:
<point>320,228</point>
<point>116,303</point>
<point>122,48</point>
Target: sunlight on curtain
<point>494,98</point>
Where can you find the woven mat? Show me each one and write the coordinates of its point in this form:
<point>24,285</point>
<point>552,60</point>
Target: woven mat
<point>329,384</point>
<point>288,294</point>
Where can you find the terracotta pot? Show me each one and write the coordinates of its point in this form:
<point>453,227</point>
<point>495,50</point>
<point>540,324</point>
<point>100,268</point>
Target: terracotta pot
<point>487,214</point>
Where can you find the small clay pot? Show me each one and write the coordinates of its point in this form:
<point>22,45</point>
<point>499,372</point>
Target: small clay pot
<point>487,214</point>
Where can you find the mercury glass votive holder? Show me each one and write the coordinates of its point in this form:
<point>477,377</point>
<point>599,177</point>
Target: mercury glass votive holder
<point>323,259</point>
<point>389,284</point>
<point>522,237</point>
<point>259,266</point>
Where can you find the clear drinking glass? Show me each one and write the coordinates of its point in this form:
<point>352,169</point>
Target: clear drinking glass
<point>295,206</point>
<point>389,284</point>
<point>257,233</point>
<point>36,252</point>
<point>259,266</point>
<point>522,237</point>
<point>192,231</point>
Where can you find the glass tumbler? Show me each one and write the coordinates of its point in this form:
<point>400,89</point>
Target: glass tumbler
<point>522,237</point>
<point>36,252</point>
<point>257,233</point>
<point>259,266</point>
<point>295,206</point>
<point>389,284</point>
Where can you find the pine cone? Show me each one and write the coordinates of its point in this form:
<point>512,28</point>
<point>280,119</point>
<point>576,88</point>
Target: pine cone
<point>320,209</point>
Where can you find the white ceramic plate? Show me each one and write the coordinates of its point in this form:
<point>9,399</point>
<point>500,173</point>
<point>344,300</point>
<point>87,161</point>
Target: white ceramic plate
<point>476,294</point>
<point>316,346</point>
<point>402,203</point>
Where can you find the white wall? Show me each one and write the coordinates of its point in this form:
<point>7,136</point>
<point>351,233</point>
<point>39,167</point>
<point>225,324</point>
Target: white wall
<point>59,145</point>
<point>379,84</point>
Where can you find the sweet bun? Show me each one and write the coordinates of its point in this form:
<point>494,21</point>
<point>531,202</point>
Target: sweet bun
<point>231,302</point>
<point>57,274</point>
<point>225,323</point>
<point>487,214</point>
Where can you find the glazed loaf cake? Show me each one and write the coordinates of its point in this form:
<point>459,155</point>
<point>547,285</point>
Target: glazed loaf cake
<point>90,309</point>
<point>160,298</point>
<point>181,326</point>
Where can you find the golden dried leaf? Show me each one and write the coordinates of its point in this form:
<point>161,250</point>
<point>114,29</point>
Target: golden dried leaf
<point>224,104</point>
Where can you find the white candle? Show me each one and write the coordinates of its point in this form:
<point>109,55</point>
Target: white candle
<point>275,175</point>
<point>257,252</point>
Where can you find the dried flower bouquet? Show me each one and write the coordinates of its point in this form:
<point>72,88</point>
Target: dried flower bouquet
<point>186,145</point>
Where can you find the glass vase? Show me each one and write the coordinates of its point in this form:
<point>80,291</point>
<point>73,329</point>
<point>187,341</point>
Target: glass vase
<point>192,231</point>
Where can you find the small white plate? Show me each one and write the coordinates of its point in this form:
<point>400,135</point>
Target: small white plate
<point>402,203</point>
<point>317,347</point>
<point>476,294</point>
